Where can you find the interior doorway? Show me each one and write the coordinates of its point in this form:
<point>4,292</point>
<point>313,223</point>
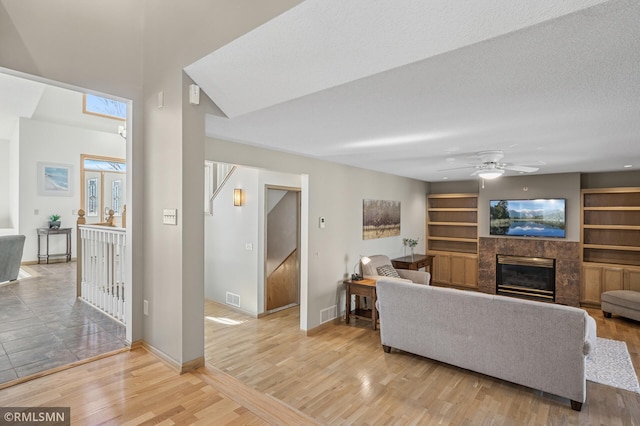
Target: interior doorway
<point>282,248</point>
<point>46,123</point>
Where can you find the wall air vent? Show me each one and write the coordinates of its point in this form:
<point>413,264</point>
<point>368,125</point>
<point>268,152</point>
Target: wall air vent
<point>328,314</point>
<point>233,299</point>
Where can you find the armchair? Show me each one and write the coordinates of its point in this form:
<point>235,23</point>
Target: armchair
<point>371,271</point>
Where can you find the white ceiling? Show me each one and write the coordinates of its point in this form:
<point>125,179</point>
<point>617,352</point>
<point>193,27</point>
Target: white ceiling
<point>413,87</point>
<point>21,97</point>
<point>18,98</point>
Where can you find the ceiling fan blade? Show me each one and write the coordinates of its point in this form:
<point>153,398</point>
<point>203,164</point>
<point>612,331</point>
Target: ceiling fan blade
<point>524,169</point>
<point>458,168</point>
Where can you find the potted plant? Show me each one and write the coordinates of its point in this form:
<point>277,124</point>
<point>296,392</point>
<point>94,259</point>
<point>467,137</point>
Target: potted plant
<point>54,221</point>
<point>411,243</point>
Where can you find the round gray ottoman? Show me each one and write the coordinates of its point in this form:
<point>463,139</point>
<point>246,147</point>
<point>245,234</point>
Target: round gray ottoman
<point>625,303</point>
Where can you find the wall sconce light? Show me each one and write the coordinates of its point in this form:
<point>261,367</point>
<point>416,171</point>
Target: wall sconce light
<point>238,197</point>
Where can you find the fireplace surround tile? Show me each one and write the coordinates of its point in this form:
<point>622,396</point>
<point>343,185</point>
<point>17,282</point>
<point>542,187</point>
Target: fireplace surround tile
<point>566,253</point>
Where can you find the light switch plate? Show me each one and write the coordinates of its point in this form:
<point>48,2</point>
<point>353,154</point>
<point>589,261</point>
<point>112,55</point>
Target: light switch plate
<point>170,216</point>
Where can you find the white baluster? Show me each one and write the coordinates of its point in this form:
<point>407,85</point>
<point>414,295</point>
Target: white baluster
<point>103,269</point>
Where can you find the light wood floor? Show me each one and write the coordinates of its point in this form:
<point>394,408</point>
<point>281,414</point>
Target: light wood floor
<point>268,372</point>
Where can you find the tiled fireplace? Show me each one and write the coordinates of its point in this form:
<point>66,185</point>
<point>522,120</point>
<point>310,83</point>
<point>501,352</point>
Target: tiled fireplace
<point>565,253</point>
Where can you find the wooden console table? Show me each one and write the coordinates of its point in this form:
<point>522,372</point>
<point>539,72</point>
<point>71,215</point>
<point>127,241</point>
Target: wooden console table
<point>414,262</point>
<point>366,288</point>
<point>54,231</point>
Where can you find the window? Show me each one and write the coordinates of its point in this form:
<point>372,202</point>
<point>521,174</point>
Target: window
<point>103,107</point>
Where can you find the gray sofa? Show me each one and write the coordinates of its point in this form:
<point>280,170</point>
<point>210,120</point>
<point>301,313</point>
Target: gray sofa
<point>11,247</point>
<point>535,344</point>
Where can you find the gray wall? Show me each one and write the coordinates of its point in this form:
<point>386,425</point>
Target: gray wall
<point>282,229</point>
<point>610,180</point>
<point>336,193</point>
<point>533,186</point>
<point>565,185</point>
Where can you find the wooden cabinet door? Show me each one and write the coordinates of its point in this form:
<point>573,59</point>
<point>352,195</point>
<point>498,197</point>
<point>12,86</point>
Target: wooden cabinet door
<point>471,271</point>
<point>612,279</point>
<point>457,270</point>
<point>591,283</point>
<point>632,279</point>
<point>464,270</point>
<point>442,273</point>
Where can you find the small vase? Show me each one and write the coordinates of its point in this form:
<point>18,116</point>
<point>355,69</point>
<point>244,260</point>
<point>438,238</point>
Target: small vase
<point>54,224</point>
<point>412,254</point>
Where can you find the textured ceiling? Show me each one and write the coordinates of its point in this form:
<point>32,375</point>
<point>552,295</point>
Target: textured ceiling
<point>324,43</point>
<point>562,94</point>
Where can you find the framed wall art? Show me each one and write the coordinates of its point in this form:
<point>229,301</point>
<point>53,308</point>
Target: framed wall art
<point>55,179</point>
<point>380,219</point>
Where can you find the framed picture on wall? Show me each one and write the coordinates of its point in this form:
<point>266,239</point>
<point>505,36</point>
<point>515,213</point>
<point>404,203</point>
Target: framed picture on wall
<point>380,219</point>
<point>55,179</point>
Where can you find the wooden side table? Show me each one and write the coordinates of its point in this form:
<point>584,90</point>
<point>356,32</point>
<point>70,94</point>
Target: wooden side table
<point>45,232</point>
<point>366,288</point>
<point>414,262</point>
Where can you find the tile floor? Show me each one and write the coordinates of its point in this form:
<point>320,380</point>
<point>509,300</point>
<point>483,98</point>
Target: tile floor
<point>43,325</point>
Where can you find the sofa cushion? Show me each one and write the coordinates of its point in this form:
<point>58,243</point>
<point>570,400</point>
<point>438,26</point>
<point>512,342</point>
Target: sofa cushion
<point>625,298</point>
<point>387,271</point>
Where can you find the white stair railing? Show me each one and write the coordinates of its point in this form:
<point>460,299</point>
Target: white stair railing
<point>224,172</point>
<point>102,268</point>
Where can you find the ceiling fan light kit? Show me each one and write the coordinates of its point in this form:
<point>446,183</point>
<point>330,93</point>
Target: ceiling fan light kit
<point>491,174</point>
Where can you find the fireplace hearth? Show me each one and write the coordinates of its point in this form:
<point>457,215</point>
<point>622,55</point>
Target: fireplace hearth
<point>526,277</point>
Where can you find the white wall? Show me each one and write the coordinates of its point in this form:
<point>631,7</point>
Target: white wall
<point>336,193</point>
<point>55,143</point>
<point>14,179</point>
<point>229,266</point>
<point>5,193</point>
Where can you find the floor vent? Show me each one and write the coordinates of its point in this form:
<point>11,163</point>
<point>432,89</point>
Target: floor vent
<point>328,314</point>
<point>233,299</point>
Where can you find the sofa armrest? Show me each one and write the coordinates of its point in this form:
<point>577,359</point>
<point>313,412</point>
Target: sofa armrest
<point>418,277</point>
<point>589,335</point>
<point>381,277</point>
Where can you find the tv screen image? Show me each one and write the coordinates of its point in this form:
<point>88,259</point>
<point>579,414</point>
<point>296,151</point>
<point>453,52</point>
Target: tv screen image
<point>528,218</point>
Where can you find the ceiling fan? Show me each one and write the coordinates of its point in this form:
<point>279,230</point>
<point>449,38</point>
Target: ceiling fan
<point>491,166</point>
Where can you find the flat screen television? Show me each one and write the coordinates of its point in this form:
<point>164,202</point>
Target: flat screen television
<point>528,218</point>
